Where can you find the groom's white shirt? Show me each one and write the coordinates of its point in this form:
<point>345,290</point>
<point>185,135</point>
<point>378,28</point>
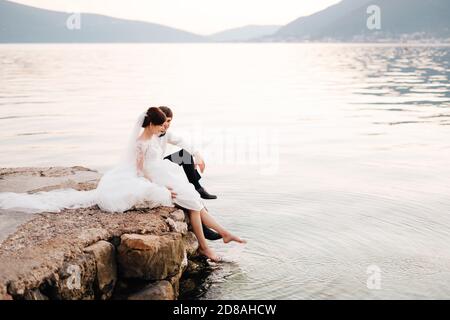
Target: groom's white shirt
<point>174,139</point>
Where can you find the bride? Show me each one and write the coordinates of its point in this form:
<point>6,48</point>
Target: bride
<point>143,177</point>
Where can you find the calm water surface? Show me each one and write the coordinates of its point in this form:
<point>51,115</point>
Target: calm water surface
<point>328,158</point>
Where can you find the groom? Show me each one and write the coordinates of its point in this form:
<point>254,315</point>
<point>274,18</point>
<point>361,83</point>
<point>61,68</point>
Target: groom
<point>185,159</point>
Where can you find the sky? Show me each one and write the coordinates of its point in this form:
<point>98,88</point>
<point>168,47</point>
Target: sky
<point>198,16</point>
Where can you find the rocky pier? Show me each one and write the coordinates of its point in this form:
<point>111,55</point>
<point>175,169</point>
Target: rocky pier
<point>89,254</point>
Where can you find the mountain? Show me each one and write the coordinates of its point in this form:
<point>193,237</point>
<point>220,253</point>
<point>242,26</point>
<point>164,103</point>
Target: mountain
<point>347,21</point>
<point>344,21</point>
<point>20,23</point>
<point>246,33</point>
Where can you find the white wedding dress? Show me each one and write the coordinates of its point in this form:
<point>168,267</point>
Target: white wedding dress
<point>123,187</point>
<point>164,172</point>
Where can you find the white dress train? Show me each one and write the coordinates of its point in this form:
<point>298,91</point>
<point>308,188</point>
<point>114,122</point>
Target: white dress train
<point>119,189</point>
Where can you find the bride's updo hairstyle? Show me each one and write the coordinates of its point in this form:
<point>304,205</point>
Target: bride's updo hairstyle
<point>154,116</point>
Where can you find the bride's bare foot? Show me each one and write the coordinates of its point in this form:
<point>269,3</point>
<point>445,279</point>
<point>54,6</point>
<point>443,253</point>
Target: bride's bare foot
<point>210,254</point>
<point>228,237</point>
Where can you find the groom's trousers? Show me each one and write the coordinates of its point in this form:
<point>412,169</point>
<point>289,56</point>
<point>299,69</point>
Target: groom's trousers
<point>185,159</point>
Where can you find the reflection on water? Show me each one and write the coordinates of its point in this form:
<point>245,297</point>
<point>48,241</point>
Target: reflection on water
<point>363,176</point>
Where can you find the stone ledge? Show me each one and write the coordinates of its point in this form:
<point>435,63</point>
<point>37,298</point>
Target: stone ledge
<point>84,253</point>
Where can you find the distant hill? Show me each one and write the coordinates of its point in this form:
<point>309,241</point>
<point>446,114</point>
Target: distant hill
<point>346,21</point>
<point>20,23</point>
<point>246,33</point>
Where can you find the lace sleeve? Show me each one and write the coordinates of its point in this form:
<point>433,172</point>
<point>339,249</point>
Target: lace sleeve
<point>140,156</point>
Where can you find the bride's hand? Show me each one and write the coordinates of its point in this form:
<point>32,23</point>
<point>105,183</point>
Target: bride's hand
<point>200,163</point>
<point>172,193</point>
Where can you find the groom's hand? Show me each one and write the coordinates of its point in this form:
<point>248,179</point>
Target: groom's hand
<point>200,163</point>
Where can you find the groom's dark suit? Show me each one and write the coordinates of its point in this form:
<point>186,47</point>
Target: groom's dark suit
<point>185,159</point>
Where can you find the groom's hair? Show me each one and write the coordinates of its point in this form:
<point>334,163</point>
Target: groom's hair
<point>167,111</point>
<point>155,116</point>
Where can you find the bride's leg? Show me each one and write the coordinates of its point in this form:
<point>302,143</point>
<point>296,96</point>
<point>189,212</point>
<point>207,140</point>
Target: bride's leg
<point>210,222</point>
<point>196,223</point>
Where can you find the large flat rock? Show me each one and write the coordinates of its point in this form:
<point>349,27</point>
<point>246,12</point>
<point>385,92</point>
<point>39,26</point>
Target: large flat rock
<point>39,179</point>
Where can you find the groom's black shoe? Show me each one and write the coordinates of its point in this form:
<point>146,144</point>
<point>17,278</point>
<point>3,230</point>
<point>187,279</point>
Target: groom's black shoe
<point>205,195</point>
<point>210,234</point>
